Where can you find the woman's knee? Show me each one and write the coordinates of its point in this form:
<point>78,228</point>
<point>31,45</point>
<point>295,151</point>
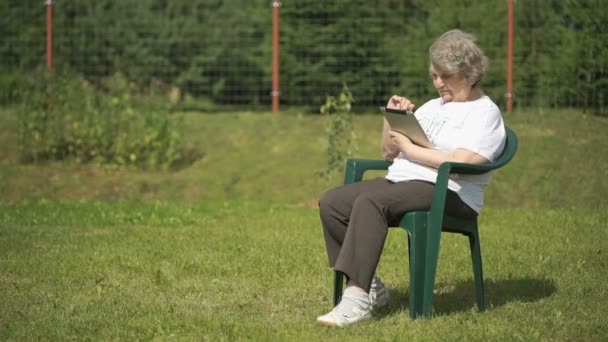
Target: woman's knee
<point>367,200</point>
<point>329,199</point>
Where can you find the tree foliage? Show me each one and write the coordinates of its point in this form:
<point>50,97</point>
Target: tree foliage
<point>221,50</point>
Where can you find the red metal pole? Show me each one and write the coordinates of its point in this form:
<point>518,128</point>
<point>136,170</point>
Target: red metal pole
<point>509,93</point>
<point>275,56</point>
<point>49,34</point>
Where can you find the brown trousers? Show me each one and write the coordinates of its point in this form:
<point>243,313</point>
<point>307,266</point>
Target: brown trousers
<point>356,218</point>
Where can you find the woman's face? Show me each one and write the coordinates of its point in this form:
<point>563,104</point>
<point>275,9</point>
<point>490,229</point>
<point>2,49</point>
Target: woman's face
<point>451,88</point>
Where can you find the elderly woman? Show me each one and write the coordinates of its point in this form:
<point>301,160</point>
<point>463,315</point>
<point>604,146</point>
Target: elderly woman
<point>463,124</point>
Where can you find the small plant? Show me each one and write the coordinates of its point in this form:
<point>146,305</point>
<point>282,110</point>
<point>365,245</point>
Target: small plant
<point>340,135</point>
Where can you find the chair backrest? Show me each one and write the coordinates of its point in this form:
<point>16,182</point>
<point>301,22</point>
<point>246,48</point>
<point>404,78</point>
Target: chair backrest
<point>508,152</point>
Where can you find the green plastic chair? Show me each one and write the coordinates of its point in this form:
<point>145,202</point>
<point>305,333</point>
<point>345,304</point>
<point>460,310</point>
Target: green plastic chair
<point>424,230</point>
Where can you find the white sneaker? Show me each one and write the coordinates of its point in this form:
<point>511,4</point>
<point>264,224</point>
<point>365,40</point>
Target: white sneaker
<point>349,311</point>
<point>378,294</point>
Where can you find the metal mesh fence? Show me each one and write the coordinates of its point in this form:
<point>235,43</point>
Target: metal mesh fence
<point>213,52</point>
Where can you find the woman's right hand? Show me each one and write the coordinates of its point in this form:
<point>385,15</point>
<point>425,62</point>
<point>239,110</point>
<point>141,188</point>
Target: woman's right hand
<point>400,102</point>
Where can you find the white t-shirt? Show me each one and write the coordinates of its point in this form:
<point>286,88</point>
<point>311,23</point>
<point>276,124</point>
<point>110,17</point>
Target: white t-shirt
<point>474,125</point>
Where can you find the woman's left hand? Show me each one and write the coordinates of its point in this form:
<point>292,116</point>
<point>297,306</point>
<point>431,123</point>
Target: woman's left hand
<point>404,143</point>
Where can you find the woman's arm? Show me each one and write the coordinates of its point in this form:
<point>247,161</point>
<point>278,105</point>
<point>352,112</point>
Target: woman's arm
<point>431,157</point>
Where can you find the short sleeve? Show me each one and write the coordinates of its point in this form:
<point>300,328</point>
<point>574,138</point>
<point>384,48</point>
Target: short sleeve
<point>484,132</point>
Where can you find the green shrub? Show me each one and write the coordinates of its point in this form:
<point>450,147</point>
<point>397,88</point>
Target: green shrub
<point>9,86</point>
<point>65,117</point>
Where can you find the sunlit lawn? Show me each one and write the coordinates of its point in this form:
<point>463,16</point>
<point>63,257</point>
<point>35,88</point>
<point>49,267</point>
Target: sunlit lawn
<point>230,248</point>
<point>237,271</point>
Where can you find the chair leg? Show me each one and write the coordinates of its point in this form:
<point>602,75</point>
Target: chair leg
<point>338,283</point>
<point>417,239</point>
<point>417,254</point>
<point>409,253</point>
<point>433,237</point>
<point>477,269</point>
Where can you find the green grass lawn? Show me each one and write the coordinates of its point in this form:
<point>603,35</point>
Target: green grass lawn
<point>238,271</point>
<point>230,248</point>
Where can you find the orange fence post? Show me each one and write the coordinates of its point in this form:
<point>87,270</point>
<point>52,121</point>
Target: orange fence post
<point>49,34</point>
<point>275,56</point>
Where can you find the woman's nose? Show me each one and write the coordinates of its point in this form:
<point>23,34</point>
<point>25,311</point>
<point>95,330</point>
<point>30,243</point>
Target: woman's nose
<point>438,82</point>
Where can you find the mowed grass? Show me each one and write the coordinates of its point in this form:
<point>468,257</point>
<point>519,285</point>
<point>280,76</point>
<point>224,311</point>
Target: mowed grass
<point>230,248</point>
<point>237,271</point>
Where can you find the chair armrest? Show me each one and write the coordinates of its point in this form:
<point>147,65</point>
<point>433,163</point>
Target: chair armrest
<point>469,169</point>
<point>355,168</point>
<point>441,183</point>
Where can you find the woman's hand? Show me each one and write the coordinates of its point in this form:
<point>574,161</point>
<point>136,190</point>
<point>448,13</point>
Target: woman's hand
<point>390,147</point>
<point>401,141</point>
<point>400,102</point>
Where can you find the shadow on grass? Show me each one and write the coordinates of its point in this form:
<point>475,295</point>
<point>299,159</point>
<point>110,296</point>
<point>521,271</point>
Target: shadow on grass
<point>460,297</point>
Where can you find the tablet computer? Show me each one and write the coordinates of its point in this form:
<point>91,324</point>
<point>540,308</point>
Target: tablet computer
<point>405,122</point>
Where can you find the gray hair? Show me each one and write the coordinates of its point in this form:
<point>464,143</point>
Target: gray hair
<point>456,52</point>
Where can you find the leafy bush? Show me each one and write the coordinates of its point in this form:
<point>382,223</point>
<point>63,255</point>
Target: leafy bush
<point>65,117</point>
<point>9,87</point>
